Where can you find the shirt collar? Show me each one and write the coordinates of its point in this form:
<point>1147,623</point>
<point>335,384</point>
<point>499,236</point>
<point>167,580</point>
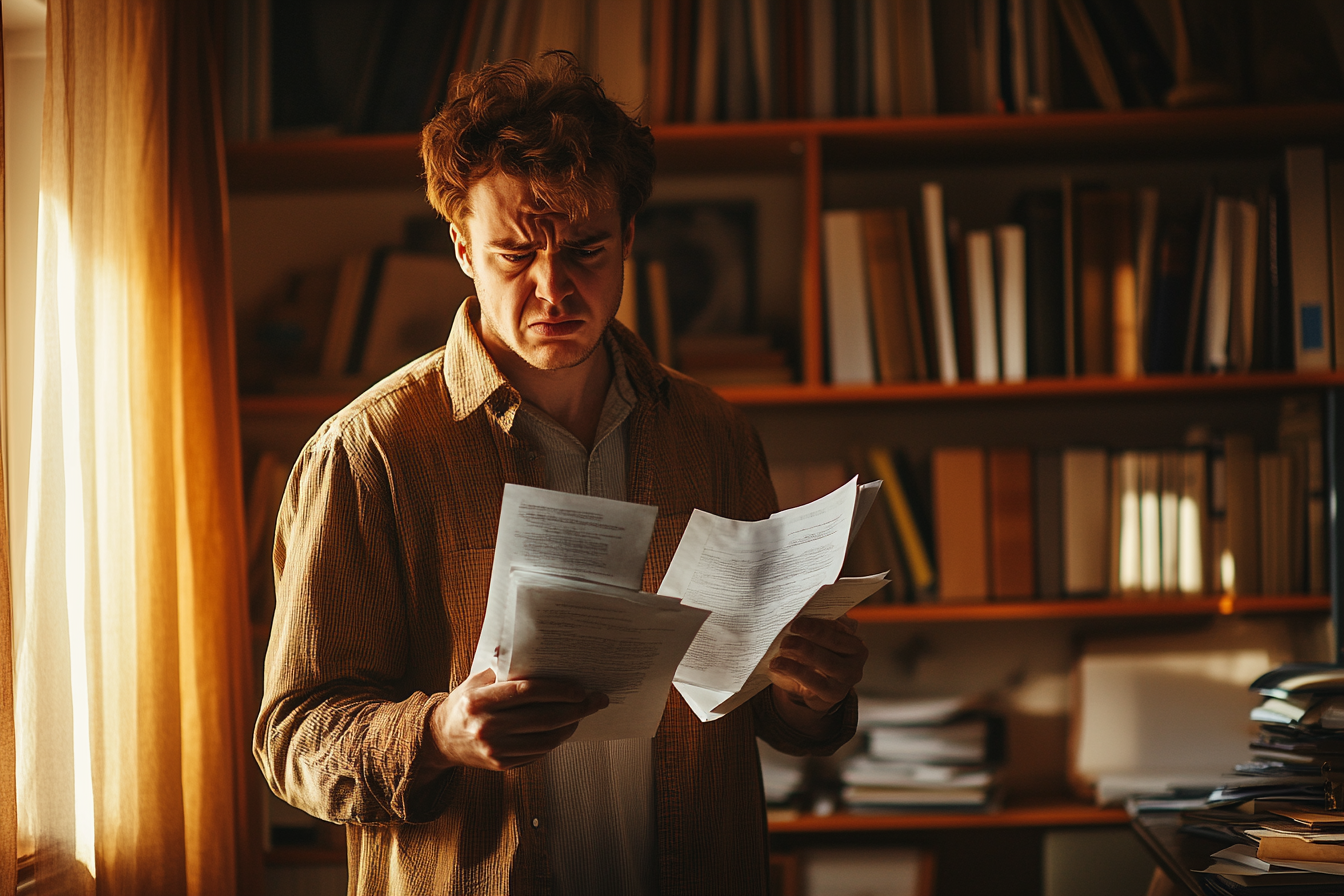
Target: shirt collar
<point>473,378</point>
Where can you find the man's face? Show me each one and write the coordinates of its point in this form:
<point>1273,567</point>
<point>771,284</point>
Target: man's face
<point>547,285</point>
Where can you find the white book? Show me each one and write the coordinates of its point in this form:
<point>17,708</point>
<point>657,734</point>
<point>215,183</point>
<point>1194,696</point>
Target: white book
<point>1150,521</point>
<point>1011,254</point>
<point>940,289</point>
<point>1218,310</point>
<point>984,323</point>
<point>1086,519</point>
<point>1173,479</point>
<point>1191,527</point>
<point>847,298</point>
<point>1129,567</point>
<point>1145,258</point>
<point>1305,177</point>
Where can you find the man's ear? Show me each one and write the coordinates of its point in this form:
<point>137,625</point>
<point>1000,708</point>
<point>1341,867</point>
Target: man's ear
<point>628,238</point>
<point>461,250</point>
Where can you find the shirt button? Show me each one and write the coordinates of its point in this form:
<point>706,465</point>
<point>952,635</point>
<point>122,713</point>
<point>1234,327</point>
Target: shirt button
<point>536,822</point>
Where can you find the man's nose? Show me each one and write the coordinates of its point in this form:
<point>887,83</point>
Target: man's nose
<point>553,283</point>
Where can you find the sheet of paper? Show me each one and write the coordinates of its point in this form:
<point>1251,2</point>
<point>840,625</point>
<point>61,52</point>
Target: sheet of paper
<point>867,495</point>
<point>570,535</point>
<point>830,602</point>
<point>625,644</point>
<point>754,577</point>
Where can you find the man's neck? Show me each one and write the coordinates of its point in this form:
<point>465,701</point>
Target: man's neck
<point>572,397</point>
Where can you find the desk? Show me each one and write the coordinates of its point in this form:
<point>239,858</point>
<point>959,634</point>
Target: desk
<point>1176,853</point>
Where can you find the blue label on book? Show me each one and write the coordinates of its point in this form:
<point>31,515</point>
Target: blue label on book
<point>1313,328</point>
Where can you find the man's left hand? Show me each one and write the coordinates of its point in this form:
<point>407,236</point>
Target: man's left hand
<point>819,661</point>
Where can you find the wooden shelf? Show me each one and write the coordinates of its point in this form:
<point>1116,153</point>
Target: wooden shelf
<point>1091,608</point>
<point>391,160</point>
<point>324,405</point>
<point>1043,814</point>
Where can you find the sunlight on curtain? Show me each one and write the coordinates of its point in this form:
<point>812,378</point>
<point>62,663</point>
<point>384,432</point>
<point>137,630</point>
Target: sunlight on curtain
<point>9,842</point>
<point>132,680</point>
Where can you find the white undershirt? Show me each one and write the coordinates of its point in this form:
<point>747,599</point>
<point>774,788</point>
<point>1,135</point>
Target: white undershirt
<point>601,836</point>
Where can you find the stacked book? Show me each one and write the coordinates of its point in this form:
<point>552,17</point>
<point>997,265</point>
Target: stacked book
<point>923,754</point>
<point>1281,830</point>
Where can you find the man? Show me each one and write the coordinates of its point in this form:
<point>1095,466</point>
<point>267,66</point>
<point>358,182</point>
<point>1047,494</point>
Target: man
<point>457,784</point>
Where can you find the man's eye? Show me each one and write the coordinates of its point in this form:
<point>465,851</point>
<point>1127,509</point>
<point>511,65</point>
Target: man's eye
<point>591,252</point>
<point>516,258</point>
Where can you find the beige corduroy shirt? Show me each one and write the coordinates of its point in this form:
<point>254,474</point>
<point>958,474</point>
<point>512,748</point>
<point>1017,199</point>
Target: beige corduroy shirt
<point>383,551</point>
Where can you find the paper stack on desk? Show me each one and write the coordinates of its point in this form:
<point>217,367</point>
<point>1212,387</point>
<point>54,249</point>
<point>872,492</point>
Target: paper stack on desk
<point>564,599</point>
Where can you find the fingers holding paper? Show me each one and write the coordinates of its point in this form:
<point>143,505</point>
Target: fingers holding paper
<point>502,725</point>
<point>819,661</point>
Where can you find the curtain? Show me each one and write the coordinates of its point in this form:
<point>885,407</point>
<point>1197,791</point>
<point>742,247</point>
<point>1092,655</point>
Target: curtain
<point>132,680</point>
<point>9,840</point>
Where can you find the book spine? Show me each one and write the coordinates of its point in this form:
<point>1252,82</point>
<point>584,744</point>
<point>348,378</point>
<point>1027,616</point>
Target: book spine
<point>1305,177</point>
<point>940,292</point>
<point>1011,243</point>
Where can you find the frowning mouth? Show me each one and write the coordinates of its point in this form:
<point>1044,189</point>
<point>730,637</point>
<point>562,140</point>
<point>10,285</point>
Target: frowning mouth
<point>556,328</point>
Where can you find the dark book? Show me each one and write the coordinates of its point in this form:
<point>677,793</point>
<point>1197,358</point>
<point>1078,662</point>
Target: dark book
<point>1075,88</point>
<point>416,43</point>
<point>1193,360</point>
<point>1041,213</point>
<point>959,275</point>
<point>1048,485</point>
<point>1142,71</point>
<point>953,36</point>
<point>845,34</point>
<point>1012,524</point>
<point>1169,313</point>
<point>379,34</point>
<point>683,57</point>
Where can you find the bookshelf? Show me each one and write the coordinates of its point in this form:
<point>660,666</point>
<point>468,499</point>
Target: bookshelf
<point>811,154</point>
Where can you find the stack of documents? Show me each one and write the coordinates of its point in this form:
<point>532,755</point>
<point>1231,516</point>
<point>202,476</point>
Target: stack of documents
<point>925,753</point>
<point>565,603</point>
<point>1301,717</point>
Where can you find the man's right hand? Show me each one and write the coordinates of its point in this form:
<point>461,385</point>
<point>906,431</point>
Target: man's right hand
<point>503,725</point>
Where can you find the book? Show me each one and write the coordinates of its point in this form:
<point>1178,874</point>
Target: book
<point>984,314</point>
<point>990,68</point>
<point>892,337</point>
<point>762,63</point>
<point>1087,44</point>
<point>1012,530</point>
<point>1172,479</point>
<point>1123,298</point>
<point>1069,247</point>
<point>1145,260</point>
<point>821,58</point>
<point>884,51</point>
<point>960,524</point>
<point>1127,510</point>
<point>1304,174</point>
<point>1194,358</point>
<point>1218,310</point>
<point>1193,523</point>
<point>706,62</point>
<point>1243,516</point>
<point>416,301</point>
<point>940,293</point>
<point>1275,479</point>
<point>963,321</point>
<point>1150,521</point>
<point>1010,255</point>
<point>350,287</point>
<point>1095,254</point>
<point>1142,72</point>
<point>617,59</point>
<point>1085,488</point>
<point>1336,201</point>
<point>914,542</point>
<point>953,29</point>
<point>1041,214</point>
<point>1245,304</point>
<point>910,295</point>
<point>847,297</point>
<point>915,57</point>
<point>1169,305</point>
<point>1048,510</point>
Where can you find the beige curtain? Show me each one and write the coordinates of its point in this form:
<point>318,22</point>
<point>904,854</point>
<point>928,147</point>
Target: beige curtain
<point>132,681</point>
<point>9,840</point>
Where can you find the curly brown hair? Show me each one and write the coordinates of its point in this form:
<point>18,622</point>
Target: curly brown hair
<point>548,124</point>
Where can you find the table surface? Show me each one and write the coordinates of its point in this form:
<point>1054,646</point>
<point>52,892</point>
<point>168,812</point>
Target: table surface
<point>1177,853</point>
